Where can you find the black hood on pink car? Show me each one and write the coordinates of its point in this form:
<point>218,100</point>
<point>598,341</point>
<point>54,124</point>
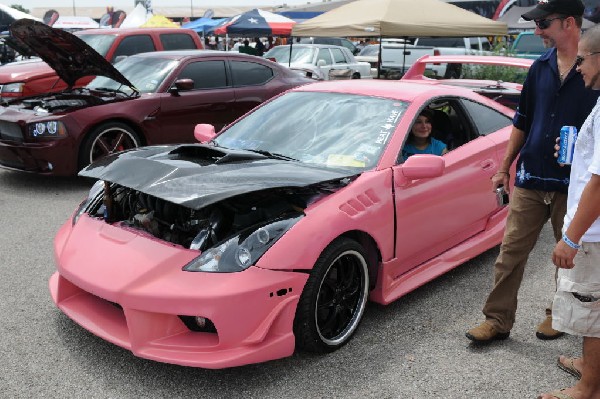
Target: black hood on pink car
<point>197,175</point>
<point>67,54</point>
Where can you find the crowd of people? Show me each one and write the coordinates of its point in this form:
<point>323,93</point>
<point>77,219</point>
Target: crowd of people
<point>256,46</point>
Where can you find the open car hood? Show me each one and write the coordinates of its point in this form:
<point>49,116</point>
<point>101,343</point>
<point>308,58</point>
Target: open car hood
<point>197,175</point>
<point>67,54</point>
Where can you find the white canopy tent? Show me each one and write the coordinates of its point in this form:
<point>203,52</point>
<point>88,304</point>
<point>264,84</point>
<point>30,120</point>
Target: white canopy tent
<point>137,17</point>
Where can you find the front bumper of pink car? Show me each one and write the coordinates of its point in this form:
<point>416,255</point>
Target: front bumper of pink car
<point>129,289</point>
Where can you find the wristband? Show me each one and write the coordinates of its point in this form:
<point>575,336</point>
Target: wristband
<point>506,173</point>
<point>570,243</point>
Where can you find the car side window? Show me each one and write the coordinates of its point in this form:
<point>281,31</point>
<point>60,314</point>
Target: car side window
<point>206,74</point>
<point>485,44</point>
<point>474,42</point>
<point>325,55</point>
<point>338,56</point>
<point>177,41</point>
<point>449,125</point>
<point>486,120</point>
<point>246,73</point>
<point>133,45</point>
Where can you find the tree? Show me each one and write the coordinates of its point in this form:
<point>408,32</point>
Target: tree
<point>19,8</point>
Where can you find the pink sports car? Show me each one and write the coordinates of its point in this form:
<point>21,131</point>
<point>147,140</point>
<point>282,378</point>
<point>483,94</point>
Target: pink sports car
<point>274,234</point>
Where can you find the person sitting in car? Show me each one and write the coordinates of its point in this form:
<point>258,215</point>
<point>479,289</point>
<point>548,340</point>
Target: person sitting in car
<point>419,138</point>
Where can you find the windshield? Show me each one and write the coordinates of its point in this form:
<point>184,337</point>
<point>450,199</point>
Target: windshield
<point>370,50</point>
<point>301,55</point>
<point>330,130</point>
<point>145,73</point>
<point>100,43</point>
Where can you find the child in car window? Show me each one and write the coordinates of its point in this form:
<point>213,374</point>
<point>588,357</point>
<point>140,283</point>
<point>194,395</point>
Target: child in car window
<point>419,138</point>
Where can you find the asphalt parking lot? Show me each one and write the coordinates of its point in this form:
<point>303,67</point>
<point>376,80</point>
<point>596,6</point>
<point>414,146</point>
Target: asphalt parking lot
<point>413,348</point>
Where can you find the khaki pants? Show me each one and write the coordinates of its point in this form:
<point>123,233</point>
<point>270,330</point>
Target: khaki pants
<point>529,211</point>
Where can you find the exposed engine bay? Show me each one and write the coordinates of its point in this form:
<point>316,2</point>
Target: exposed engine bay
<point>60,102</point>
<point>203,228</point>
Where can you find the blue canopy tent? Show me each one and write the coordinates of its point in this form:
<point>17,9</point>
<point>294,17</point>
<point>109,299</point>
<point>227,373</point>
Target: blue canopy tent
<point>203,25</point>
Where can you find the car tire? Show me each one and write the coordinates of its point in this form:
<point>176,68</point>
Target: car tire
<point>107,139</point>
<point>356,75</point>
<point>334,298</point>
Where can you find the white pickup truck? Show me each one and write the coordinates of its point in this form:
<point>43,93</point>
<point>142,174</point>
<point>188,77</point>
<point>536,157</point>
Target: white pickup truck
<point>398,56</point>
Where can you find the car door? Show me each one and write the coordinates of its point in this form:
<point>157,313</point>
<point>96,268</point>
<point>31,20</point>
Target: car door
<point>339,59</point>
<point>435,214</point>
<point>253,84</point>
<point>210,101</point>
<point>325,55</point>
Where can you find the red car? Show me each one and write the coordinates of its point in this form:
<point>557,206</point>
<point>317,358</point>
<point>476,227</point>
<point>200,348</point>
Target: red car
<point>33,77</point>
<point>273,235</point>
<point>148,98</point>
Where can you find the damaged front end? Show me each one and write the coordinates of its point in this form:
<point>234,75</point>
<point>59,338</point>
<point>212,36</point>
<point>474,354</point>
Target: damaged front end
<point>231,234</point>
<point>231,205</point>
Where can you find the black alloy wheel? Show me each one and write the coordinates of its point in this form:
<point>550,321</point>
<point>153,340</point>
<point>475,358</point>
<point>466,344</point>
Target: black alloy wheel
<point>334,298</point>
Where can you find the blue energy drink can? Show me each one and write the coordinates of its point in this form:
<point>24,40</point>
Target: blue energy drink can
<point>568,137</point>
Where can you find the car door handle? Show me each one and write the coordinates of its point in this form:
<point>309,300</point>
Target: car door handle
<point>487,164</point>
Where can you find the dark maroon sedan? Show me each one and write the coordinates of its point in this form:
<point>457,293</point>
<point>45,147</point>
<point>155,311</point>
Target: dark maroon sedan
<point>149,98</point>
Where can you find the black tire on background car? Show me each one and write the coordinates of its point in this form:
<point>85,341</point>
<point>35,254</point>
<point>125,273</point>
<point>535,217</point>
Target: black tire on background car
<point>334,298</point>
<point>356,75</point>
<point>106,139</point>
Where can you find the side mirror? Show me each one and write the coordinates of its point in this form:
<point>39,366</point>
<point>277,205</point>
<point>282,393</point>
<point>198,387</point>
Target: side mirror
<point>321,63</point>
<point>181,85</point>
<point>422,166</point>
<point>204,132</point>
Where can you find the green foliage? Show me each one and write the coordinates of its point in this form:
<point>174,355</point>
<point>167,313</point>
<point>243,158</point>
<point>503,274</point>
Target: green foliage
<point>19,8</point>
<point>495,72</point>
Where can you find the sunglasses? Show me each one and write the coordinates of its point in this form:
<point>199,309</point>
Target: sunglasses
<point>545,23</point>
<point>580,58</point>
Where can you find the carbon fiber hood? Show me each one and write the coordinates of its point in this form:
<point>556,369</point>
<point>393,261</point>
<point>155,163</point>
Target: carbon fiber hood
<point>199,175</point>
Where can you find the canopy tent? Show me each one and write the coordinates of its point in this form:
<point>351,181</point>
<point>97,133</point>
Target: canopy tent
<point>399,18</point>
<point>137,17</point>
<point>159,21</point>
<point>203,25</point>
<point>256,22</point>
<point>512,18</point>
<point>74,22</point>
<point>8,15</point>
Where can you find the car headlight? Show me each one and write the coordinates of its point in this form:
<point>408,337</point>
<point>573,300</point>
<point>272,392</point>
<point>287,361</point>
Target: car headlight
<point>12,89</point>
<point>47,129</point>
<point>242,251</point>
<point>96,190</point>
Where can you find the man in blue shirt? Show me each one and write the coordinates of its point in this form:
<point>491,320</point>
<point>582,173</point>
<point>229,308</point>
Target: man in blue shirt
<point>553,95</point>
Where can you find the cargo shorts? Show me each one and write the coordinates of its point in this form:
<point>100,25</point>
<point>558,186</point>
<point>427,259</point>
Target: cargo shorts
<point>576,305</point>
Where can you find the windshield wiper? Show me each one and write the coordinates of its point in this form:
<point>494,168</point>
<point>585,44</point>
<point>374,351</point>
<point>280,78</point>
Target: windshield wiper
<point>117,90</point>
<point>274,155</point>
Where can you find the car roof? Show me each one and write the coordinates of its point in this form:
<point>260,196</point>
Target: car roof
<point>398,90</point>
<point>315,45</point>
<point>180,54</point>
<point>127,31</point>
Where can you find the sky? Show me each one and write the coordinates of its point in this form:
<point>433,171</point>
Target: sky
<point>127,4</point>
